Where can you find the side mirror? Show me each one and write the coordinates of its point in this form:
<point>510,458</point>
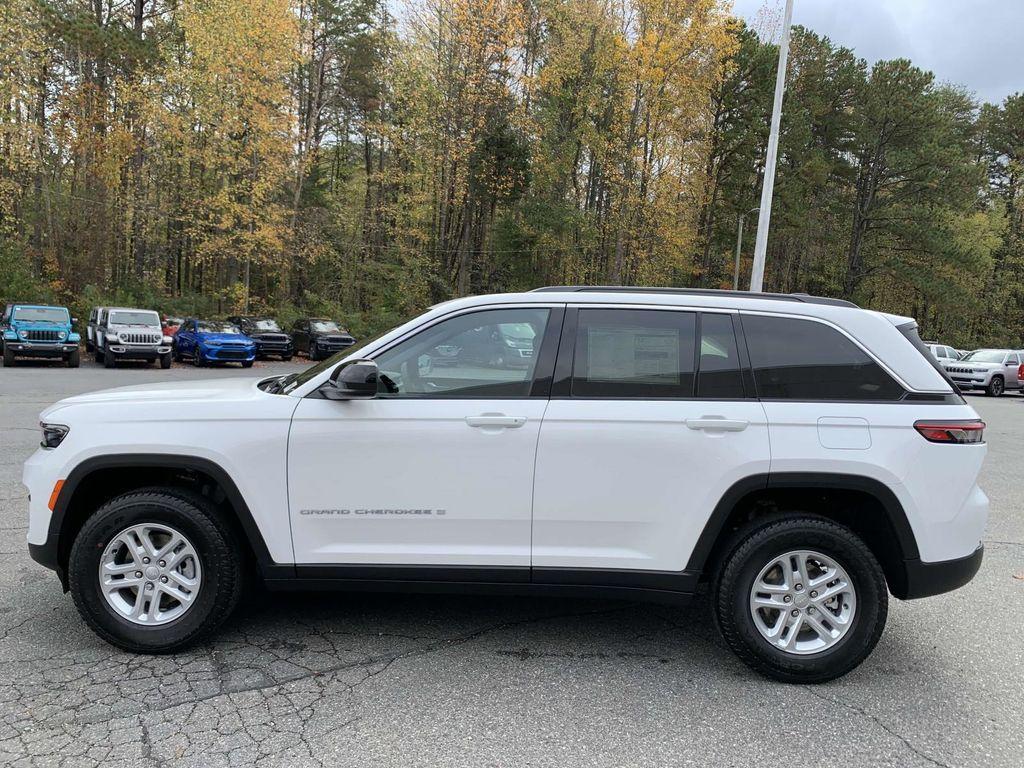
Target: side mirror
<point>74,320</point>
<point>353,380</point>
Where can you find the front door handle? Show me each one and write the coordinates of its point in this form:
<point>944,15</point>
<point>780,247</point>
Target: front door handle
<point>717,424</point>
<point>496,420</point>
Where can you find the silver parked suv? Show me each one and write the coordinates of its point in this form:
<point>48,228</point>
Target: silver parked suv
<point>129,334</point>
<point>994,370</point>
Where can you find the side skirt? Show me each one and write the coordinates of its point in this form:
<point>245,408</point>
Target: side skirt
<point>668,588</point>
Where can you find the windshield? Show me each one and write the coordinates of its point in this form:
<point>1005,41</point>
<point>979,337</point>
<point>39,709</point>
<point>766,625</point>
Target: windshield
<point>986,356</point>
<point>41,314</point>
<point>134,318</point>
<point>173,320</point>
<point>324,325</point>
<point>217,326</point>
<point>266,325</point>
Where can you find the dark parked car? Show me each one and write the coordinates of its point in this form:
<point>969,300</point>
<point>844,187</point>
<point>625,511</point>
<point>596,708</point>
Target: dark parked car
<point>270,338</point>
<point>320,338</point>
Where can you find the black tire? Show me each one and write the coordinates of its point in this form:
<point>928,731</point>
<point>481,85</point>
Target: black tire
<point>287,358</point>
<point>8,357</point>
<point>88,347</point>
<point>176,353</point>
<point>197,358</point>
<point>165,360</point>
<point>996,387</point>
<point>109,361</point>
<point>215,545</point>
<point>74,360</point>
<point>753,550</point>
<point>98,356</point>
<point>247,363</point>
<point>313,353</point>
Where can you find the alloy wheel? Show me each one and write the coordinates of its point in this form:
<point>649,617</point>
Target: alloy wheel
<point>150,574</point>
<point>803,602</point>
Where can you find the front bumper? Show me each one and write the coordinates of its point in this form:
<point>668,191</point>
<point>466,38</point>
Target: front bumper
<point>30,349</point>
<point>926,579</point>
<point>229,354</point>
<point>125,352</point>
<point>282,348</point>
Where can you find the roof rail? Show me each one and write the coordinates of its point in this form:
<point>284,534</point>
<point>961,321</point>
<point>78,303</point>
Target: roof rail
<point>801,297</point>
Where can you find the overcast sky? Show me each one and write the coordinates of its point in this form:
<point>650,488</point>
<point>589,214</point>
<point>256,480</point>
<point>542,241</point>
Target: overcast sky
<point>975,43</point>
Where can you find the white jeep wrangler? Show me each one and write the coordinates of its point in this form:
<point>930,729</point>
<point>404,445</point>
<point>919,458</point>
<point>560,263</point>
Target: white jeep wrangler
<point>801,456</point>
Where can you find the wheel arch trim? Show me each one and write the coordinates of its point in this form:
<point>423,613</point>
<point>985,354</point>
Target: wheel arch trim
<point>59,518</point>
<point>715,524</point>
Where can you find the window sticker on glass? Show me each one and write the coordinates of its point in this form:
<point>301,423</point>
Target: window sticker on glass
<point>643,355</point>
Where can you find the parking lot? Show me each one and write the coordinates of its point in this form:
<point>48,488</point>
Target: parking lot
<point>381,680</point>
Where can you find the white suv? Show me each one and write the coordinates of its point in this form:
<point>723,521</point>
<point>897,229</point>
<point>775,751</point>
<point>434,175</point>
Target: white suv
<point>801,456</point>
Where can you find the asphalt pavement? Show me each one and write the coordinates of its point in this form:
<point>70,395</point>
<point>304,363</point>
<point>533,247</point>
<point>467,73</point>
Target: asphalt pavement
<point>391,680</point>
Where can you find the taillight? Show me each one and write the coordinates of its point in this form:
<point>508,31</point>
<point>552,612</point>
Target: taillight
<point>951,431</point>
<point>1020,372</point>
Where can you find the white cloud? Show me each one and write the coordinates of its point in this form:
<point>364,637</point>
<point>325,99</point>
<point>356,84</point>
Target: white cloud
<point>974,43</point>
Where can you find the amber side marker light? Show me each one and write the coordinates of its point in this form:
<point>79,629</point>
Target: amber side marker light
<point>53,496</point>
<point>953,432</point>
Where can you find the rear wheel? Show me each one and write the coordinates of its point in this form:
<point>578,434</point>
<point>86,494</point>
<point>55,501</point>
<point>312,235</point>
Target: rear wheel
<point>155,570</point>
<point>996,387</point>
<point>801,599</point>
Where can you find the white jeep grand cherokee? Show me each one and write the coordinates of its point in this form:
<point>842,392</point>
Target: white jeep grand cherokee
<point>800,455</point>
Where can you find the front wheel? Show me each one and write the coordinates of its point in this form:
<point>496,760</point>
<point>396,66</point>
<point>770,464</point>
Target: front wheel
<point>155,570</point>
<point>313,353</point>
<point>165,360</point>
<point>8,356</point>
<point>996,387</point>
<point>801,599</point>
<point>109,361</point>
<point>247,363</point>
<point>74,359</point>
<point>197,358</point>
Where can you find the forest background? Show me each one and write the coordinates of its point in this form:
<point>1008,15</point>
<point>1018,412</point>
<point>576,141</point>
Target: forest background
<point>365,159</point>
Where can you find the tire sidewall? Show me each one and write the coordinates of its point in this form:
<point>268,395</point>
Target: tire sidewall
<point>865,575</point>
<point>217,593</point>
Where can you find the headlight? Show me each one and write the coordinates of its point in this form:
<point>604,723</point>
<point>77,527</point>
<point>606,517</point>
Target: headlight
<point>62,335</point>
<point>23,334</point>
<point>53,434</point>
<point>168,340</point>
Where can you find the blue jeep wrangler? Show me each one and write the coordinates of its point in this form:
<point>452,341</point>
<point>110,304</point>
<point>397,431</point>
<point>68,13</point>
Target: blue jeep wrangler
<point>30,330</point>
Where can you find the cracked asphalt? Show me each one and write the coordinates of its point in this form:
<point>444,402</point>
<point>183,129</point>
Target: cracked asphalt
<point>391,680</point>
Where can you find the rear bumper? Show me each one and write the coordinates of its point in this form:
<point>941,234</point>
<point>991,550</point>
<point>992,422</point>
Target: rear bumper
<point>926,579</point>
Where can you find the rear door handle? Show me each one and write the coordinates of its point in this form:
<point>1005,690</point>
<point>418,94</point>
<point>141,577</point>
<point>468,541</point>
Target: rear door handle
<point>496,420</point>
<point>717,424</point>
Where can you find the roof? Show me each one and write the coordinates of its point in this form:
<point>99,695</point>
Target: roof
<point>805,298</point>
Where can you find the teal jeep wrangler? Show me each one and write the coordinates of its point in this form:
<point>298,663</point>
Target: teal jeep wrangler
<point>31,330</point>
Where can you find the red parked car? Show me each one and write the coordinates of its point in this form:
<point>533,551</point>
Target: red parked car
<point>171,324</point>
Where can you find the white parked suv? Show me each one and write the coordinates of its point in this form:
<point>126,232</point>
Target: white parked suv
<point>993,370</point>
<point>801,457</point>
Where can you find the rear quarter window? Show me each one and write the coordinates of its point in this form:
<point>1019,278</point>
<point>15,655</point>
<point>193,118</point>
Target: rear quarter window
<point>795,359</point>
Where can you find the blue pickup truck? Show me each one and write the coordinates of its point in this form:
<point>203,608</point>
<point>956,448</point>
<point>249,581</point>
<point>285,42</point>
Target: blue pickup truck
<point>32,330</point>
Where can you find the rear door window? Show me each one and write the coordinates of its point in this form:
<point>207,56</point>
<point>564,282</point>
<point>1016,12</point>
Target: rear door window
<point>634,353</point>
<point>718,377</point>
<point>796,359</point>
